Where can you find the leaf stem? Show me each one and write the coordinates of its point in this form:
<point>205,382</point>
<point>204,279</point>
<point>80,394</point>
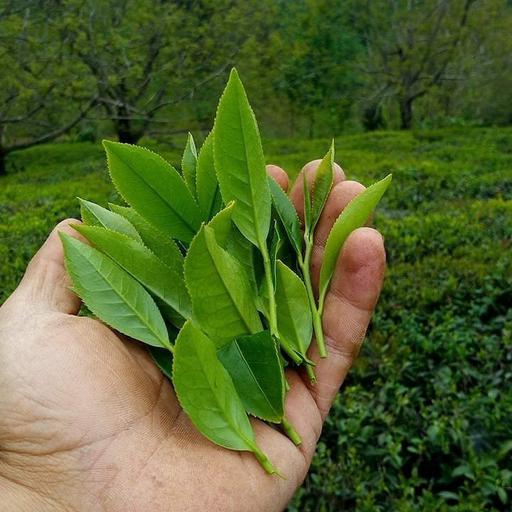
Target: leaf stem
<point>272,319</point>
<point>311,373</point>
<point>305,264</point>
<point>264,460</point>
<point>168,345</point>
<point>321,304</point>
<point>272,314</point>
<point>291,432</point>
<point>294,356</point>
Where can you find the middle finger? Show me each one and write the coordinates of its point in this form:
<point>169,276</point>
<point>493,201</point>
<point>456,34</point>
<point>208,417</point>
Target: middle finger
<point>341,194</point>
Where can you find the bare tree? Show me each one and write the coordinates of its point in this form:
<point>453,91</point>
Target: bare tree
<point>410,46</point>
<point>145,64</point>
<point>34,84</point>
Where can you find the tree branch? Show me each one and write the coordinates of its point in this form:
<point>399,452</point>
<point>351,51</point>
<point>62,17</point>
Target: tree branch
<point>52,135</point>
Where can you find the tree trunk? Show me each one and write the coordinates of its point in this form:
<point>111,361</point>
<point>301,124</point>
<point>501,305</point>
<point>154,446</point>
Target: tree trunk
<point>405,113</point>
<point>372,117</point>
<point>126,133</point>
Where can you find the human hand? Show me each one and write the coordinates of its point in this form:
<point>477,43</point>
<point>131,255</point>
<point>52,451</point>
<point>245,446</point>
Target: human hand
<point>88,423</point>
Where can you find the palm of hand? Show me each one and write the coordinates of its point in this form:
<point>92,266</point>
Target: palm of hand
<point>87,422</point>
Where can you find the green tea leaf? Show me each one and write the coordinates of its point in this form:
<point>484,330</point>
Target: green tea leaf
<point>276,246</point>
<point>240,163</point>
<point>113,295</point>
<point>294,320</point>
<point>171,316</point>
<point>222,300</point>
<point>162,281</point>
<point>255,367</point>
<point>95,215</point>
<point>354,216</point>
<point>222,224</point>
<point>230,239</point>
<point>154,188</point>
<point>207,394</point>
<point>188,164</point>
<point>163,359</point>
<point>287,213</point>
<point>322,186</point>
<point>308,214</point>
<point>162,245</point>
<point>208,192</point>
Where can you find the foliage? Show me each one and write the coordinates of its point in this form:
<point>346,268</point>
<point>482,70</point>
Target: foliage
<point>40,97</point>
<point>117,275</point>
<point>223,308</point>
<point>255,367</point>
<point>318,74</point>
<point>154,189</point>
<point>147,56</point>
<point>162,280</point>
<point>294,318</point>
<point>423,420</point>
<point>240,163</point>
<point>414,52</point>
<point>134,68</point>
<point>112,294</point>
<point>207,394</point>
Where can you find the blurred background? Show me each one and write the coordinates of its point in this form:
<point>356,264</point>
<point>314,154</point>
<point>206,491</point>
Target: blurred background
<point>420,88</point>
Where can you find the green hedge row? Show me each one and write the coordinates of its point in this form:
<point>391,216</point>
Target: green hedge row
<point>424,421</point>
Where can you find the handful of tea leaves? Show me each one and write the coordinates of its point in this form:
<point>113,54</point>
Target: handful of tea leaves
<point>210,268</point>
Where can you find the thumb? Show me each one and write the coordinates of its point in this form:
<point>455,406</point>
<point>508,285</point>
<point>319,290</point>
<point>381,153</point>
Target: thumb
<point>46,283</point>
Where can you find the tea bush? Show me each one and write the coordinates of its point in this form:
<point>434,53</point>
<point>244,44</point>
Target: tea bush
<point>424,421</point>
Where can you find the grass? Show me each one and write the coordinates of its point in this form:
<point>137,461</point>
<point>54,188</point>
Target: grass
<point>425,418</point>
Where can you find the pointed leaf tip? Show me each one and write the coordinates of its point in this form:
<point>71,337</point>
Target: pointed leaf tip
<point>321,188</point>
<point>240,163</point>
<point>108,143</point>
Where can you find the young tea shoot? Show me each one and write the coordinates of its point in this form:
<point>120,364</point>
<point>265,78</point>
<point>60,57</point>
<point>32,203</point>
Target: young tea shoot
<point>210,267</point>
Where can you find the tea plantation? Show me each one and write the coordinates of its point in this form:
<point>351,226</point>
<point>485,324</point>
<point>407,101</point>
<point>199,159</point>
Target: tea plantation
<point>424,421</point>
